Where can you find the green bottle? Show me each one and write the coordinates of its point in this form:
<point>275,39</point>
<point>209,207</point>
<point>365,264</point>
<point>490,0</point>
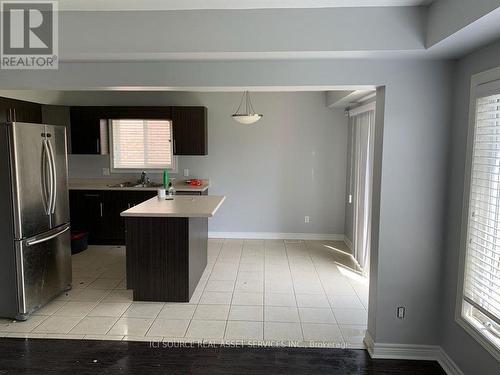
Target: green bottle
<point>165,179</point>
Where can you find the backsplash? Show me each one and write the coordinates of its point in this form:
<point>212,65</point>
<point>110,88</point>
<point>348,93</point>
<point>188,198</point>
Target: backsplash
<point>91,166</point>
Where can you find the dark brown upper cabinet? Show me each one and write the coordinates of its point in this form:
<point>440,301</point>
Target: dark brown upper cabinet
<point>139,112</point>
<point>89,129</point>
<point>189,126</point>
<point>20,110</point>
<point>190,130</point>
<point>86,130</point>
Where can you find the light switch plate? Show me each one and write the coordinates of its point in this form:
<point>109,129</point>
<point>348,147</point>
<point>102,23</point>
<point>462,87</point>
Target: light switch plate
<point>186,172</point>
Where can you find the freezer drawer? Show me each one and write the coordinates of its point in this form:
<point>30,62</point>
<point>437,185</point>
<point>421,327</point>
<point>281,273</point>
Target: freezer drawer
<point>43,268</point>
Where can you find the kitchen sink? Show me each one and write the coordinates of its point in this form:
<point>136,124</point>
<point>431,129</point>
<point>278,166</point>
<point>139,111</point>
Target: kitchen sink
<point>130,184</point>
<point>150,185</point>
<point>127,184</point>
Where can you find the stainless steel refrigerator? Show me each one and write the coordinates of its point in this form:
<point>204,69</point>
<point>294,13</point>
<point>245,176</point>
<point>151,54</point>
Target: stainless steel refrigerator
<point>35,253</point>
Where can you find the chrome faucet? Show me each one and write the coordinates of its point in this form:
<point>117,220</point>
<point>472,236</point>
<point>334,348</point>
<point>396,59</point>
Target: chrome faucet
<point>145,180</point>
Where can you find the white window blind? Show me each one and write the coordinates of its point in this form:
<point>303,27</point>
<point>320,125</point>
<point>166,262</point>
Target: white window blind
<point>481,292</point>
<point>141,144</point>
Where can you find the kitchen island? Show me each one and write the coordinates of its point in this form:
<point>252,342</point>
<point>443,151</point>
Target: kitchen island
<point>167,244</point>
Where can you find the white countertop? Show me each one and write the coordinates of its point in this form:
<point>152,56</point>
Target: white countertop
<point>103,184</point>
<point>180,206</point>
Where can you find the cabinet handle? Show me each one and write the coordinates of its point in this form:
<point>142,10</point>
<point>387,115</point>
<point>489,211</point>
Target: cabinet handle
<point>92,195</point>
<point>101,208</point>
<point>11,115</point>
<point>98,145</point>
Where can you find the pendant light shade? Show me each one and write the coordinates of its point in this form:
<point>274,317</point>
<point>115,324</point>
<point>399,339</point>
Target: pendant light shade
<point>249,116</point>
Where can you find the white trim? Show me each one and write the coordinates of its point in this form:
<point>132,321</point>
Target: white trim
<point>277,236</point>
<point>448,365</point>
<point>371,95</point>
<point>160,5</point>
<point>412,352</point>
<point>369,343</point>
<point>348,242</point>
<point>362,109</point>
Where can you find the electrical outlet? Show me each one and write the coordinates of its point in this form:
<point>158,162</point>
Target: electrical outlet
<point>401,312</point>
<point>105,172</point>
<point>307,219</point>
<point>186,172</point>
<point>350,198</point>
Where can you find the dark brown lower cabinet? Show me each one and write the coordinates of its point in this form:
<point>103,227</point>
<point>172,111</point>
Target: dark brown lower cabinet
<point>98,212</point>
<point>86,213</point>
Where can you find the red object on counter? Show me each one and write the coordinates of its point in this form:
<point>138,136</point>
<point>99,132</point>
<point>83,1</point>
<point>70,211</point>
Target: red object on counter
<point>194,182</point>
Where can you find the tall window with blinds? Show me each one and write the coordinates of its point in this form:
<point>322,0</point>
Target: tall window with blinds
<point>481,283</point>
<point>141,144</point>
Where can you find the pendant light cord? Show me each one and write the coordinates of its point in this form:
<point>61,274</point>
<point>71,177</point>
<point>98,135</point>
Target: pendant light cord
<point>241,102</point>
<point>248,104</point>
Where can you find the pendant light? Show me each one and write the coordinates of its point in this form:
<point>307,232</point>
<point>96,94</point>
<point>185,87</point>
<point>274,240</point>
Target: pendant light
<point>249,116</point>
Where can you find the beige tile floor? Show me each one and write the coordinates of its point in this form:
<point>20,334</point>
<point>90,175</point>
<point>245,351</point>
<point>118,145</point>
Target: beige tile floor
<point>278,292</point>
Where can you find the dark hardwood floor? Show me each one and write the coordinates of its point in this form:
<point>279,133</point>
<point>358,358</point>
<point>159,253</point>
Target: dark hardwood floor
<point>79,357</point>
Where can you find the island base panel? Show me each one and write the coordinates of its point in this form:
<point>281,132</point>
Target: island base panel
<point>165,257</point>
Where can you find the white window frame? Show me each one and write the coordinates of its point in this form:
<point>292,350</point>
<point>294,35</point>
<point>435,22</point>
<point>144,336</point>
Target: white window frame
<point>481,83</point>
<point>130,170</point>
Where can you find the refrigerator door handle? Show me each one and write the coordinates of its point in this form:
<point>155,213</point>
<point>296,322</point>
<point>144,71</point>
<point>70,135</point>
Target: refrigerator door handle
<point>47,237</point>
<point>53,189</point>
<point>46,186</point>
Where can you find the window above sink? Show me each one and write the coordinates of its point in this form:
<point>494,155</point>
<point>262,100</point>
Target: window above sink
<point>139,144</point>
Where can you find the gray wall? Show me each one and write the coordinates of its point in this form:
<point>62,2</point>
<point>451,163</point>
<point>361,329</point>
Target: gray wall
<point>289,165</point>
<point>461,347</point>
<point>410,169</point>
<point>446,17</point>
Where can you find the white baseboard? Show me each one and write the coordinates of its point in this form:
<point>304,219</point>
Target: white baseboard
<point>277,236</point>
<point>348,242</point>
<point>448,365</point>
<point>413,352</point>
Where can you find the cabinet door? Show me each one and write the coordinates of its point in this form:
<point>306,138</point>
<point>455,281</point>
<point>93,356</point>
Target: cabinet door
<point>133,198</point>
<point>56,115</point>
<point>85,130</point>
<point>128,199</point>
<point>77,212</point>
<point>114,225</point>
<point>19,110</point>
<point>190,130</point>
<point>87,214</point>
<point>140,112</point>
<point>96,219</point>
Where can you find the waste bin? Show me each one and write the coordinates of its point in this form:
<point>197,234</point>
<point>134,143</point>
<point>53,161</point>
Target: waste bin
<point>79,242</point>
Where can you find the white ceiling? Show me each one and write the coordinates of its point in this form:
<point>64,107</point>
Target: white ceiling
<point>104,5</point>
